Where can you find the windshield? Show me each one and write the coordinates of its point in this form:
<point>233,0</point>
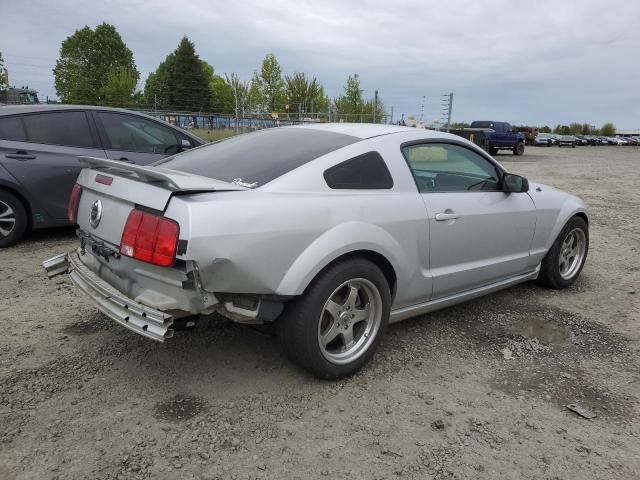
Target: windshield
<point>253,159</point>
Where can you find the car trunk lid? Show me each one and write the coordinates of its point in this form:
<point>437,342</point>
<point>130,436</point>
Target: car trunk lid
<point>112,189</point>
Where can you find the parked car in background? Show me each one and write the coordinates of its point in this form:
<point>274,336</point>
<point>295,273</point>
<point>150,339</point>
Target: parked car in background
<point>543,140</point>
<point>567,141</point>
<point>327,231</point>
<point>39,150</point>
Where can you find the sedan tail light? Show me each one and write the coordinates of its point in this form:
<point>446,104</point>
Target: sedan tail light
<point>150,238</point>
<point>74,200</point>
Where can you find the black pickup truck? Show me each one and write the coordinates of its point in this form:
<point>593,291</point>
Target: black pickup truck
<point>494,136</point>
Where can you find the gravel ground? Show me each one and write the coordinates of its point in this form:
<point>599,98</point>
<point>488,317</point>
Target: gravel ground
<point>81,397</point>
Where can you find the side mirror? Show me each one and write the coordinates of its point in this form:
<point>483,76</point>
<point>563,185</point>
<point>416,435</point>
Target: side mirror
<point>514,183</point>
<point>185,144</point>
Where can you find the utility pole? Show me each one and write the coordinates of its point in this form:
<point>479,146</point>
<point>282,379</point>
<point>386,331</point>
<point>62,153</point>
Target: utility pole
<point>235,94</point>
<point>391,120</point>
<point>424,98</point>
<point>447,104</point>
<point>375,106</point>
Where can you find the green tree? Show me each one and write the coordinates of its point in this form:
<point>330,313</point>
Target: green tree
<point>586,129</point>
<point>240,92</point>
<point>181,81</point>
<point>120,87</point>
<point>351,100</point>
<point>352,104</point>
<point>189,82</point>
<point>86,59</point>
<point>575,128</point>
<point>545,129</point>
<point>608,129</point>
<point>562,130</point>
<point>305,95</point>
<point>221,95</point>
<point>4,75</point>
<point>269,85</point>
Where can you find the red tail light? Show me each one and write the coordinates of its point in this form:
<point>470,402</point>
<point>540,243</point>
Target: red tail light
<point>74,200</point>
<point>150,238</point>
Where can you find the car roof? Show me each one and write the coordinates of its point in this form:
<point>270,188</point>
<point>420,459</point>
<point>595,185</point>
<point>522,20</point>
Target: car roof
<point>18,109</point>
<point>368,130</point>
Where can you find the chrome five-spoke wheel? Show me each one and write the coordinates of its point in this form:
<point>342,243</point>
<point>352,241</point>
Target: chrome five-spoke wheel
<point>335,326</point>
<point>349,320</point>
<point>572,253</point>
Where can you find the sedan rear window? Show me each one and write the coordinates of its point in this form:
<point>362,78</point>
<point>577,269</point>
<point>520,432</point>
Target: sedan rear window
<point>59,128</point>
<point>259,157</point>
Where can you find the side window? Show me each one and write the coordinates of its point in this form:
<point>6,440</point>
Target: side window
<point>364,172</point>
<point>70,129</point>
<point>450,168</point>
<point>11,128</point>
<point>135,134</point>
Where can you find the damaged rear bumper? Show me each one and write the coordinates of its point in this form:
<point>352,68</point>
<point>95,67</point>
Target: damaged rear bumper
<point>149,322</point>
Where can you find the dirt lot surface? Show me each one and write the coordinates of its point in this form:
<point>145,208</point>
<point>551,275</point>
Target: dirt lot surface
<point>81,397</point>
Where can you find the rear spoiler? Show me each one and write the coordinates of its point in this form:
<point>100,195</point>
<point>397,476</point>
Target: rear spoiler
<point>172,178</point>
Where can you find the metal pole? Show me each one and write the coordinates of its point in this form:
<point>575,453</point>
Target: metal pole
<point>375,107</point>
<point>450,105</point>
<point>235,94</point>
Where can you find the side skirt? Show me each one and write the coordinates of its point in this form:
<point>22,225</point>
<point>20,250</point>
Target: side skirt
<point>400,314</point>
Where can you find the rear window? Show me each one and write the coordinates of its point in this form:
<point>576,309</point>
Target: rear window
<point>70,129</point>
<point>11,128</point>
<point>257,158</point>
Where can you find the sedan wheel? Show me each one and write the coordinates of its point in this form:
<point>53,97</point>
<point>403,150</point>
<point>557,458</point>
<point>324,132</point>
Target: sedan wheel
<point>7,219</point>
<point>564,261</point>
<point>13,219</point>
<point>572,252</point>
<point>333,329</point>
<point>349,321</point>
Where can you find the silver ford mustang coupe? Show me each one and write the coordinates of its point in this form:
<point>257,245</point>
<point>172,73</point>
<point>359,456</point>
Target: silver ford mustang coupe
<point>328,231</point>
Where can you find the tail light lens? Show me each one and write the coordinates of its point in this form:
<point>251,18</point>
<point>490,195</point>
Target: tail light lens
<point>150,238</point>
<point>74,200</point>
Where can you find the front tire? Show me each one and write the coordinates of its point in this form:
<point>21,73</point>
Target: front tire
<point>563,263</point>
<point>13,219</point>
<point>519,149</point>
<point>493,151</point>
<point>334,328</point>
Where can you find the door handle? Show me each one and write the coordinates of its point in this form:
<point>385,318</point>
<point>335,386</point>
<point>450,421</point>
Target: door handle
<point>441,217</point>
<point>20,155</point>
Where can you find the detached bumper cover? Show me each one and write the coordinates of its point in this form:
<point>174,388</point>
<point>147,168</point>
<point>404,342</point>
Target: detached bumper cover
<point>146,321</point>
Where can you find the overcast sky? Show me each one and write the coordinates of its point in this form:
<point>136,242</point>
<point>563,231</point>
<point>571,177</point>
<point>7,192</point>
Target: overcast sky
<point>540,62</point>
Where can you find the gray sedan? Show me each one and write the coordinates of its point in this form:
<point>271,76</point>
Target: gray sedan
<point>39,150</point>
<point>330,232</point>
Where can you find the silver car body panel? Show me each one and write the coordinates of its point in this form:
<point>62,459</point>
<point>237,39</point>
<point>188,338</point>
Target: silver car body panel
<point>275,239</point>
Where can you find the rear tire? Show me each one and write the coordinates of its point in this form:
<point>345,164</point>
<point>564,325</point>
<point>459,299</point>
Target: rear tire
<point>563,263</point>
<point>13,219</point>
<point>493,151</point>
<point>334,328</point>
